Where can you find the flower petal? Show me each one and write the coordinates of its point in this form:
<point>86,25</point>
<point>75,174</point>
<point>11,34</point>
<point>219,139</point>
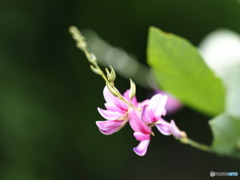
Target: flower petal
<point>157,105</point>
<point>172,104</point>
<point>109,98</point>
<point>121,105</point>
<point>175,130</point>
<point>136,123</point>
<point>141,136</point>
<point>110,115</point>
<point>164,127</point>
<point>112,107</point>
<point>143,103</point>
<point>146,117</point>
<point>133,100</point>
<point>109,127</point>
<point>141,149</point>
<point>154,101</point>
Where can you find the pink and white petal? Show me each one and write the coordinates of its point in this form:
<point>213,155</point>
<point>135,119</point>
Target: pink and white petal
<point>141,136</point>
<point>164,128</point>
<point>110,115</point>
<point>109,127</point>
<point>126,95</point>
<point>173,104</point>
<point>112,107</point>
<point>175,130</point>
<point>143,103</point>
<point>136,123</point>
<point>154,101</point>
<point>146,116</point>
<point>121,105</point>
<point>133,101</point>
<point>109,98</point>
<point>142,147</point>
<point>164,112</point>
<point>160,108</point>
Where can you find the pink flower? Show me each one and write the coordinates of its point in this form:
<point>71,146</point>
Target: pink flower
<point>142,132</point>
<point>110,126</point>
<point>152,113</point>
<point>115,113</point>
<point>152,110</point>
<point>175,130</point>
<point>172,104</point>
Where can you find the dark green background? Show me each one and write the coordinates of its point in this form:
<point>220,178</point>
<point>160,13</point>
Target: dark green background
<point>48,95</point>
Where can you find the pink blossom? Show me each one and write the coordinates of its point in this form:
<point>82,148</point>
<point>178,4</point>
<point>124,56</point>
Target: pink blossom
<point>173,104</point>
<point>110,126</point>
<point>152,110</point>
<point>152,113</point>
<point>167,128</point>
<point>176,132</point>
<point>142,132</point>
<point>115,113</point>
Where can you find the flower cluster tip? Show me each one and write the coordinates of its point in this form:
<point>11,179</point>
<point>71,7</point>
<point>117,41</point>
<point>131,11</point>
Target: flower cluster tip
<point>118,113</point>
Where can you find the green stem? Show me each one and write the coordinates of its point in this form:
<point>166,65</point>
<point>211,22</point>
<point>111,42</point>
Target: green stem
<point>77,36</point>
<point>195,144</point>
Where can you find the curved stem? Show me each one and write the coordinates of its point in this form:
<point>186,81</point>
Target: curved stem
<point>82,45</point>
<point>195,144</point>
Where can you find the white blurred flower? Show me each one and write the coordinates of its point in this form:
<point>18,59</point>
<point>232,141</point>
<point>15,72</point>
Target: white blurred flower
<point>221,50</point>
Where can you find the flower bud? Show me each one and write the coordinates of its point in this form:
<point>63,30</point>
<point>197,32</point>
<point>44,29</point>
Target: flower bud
<point>82,44</point>
<point>108,74</point>
<point>111,75</point>
<point>95,70</point>
<point>112,90</point>
<point>132,92</point>
<point>91,57</point>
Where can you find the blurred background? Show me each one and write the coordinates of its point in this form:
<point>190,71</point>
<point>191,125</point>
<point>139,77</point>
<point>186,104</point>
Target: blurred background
<point>48,95</point>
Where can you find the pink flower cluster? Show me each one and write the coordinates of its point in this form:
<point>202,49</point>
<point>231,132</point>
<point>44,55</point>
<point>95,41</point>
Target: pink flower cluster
<point>148,115</point>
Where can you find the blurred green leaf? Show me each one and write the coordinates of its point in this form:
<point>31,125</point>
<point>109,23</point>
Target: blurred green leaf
<point>226,133</point>
<point>180,70</point>
<point>124,63</point>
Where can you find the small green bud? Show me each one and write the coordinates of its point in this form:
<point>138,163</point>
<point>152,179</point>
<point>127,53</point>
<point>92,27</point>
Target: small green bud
<point>82,44</point>
<point>132,92</point>
<point>108,73</point>
<point>95,70</point>
<point>112,90</point>
<point>91,57</point>
<point>73,29</point>
<point>76,34</point>
<point>113,74</point>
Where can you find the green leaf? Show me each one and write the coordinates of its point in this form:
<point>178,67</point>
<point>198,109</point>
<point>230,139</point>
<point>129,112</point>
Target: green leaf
<point>180,70</point>
<point>226,133</point>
